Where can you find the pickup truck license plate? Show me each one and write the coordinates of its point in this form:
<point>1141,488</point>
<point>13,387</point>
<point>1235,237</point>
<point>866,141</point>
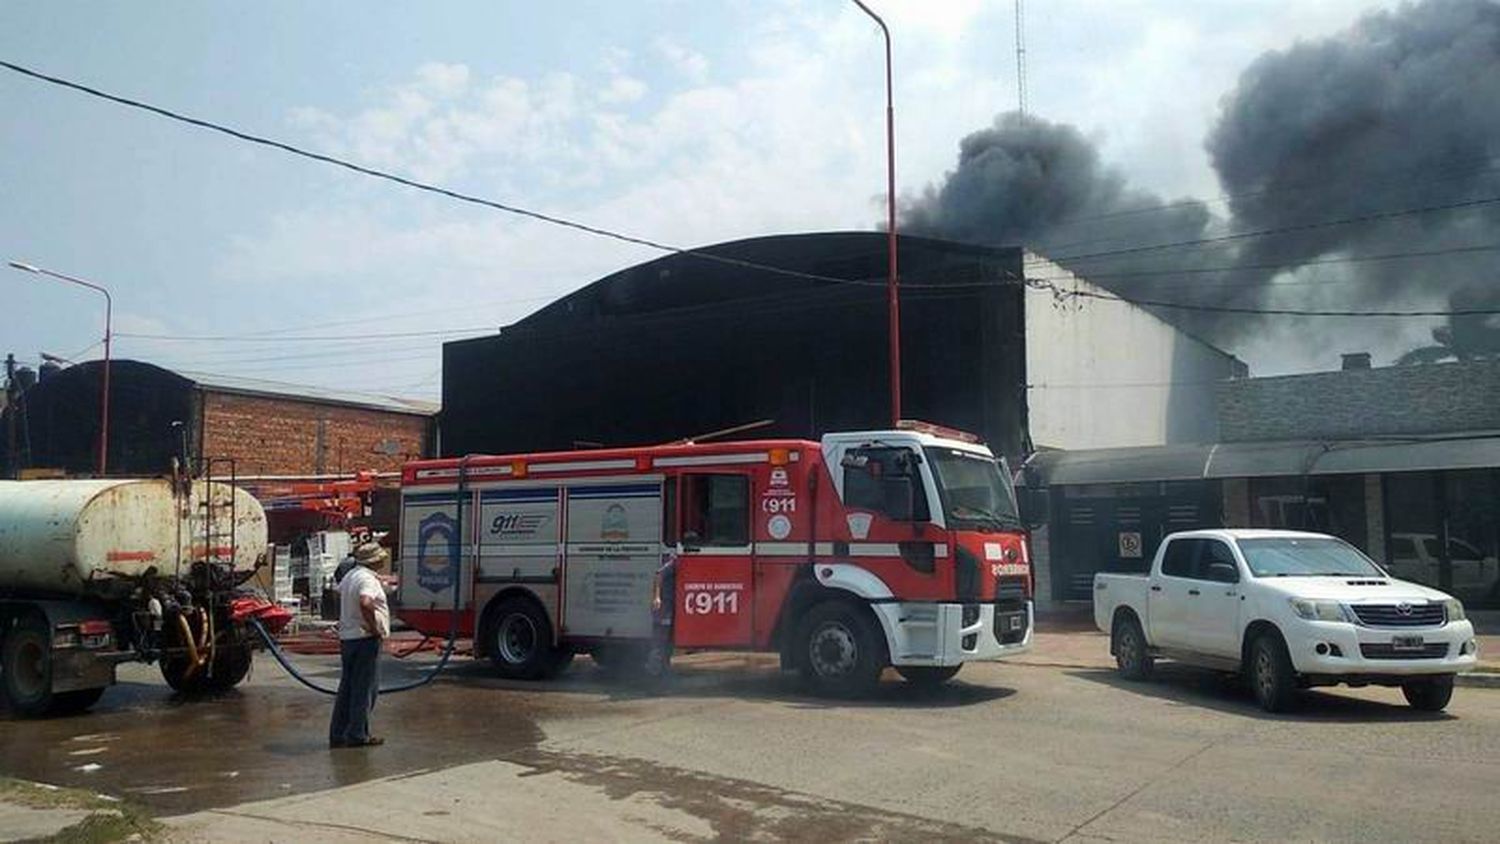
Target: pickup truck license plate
<point>1406,643</point>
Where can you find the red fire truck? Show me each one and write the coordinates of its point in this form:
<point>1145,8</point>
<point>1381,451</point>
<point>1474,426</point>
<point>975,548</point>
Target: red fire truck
<point>867,549</point>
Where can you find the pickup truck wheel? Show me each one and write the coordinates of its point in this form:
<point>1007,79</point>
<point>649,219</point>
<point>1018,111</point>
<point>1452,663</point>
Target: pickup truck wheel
<point>1271,674</point>
<point>927,676</point>
<point>1429,694</point>
<point>1132,657</point>
<point>26,670</point>
<point>842,651</point>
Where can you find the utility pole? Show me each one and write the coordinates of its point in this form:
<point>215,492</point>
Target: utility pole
<point>11,392</point>
<point>893,296</point>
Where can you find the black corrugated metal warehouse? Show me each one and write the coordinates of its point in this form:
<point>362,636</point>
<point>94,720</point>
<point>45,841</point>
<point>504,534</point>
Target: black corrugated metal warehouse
<point>685,345</point>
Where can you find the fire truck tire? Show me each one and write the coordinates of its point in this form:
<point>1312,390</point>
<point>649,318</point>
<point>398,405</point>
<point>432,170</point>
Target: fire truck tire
<point>841,651</point>
<point>518,639</point>
<point>26,670</point>
<point>927,676</point>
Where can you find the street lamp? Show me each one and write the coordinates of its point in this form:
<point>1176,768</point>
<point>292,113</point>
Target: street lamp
<point>893,299</point>
<point>108,318</point>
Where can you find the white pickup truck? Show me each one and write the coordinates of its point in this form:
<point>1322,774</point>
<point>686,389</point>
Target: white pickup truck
<point>1289,611</point>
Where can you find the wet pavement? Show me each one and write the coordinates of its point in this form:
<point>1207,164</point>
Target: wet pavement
<point>265,739</point>
<point>733,749</point>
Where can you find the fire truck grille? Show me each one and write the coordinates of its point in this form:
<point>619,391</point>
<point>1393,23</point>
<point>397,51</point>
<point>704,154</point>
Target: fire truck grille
<point>1010,625</point>
<point>1011,590</point>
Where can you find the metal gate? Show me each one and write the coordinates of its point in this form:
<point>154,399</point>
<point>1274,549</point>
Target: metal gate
<point>1118,527</point>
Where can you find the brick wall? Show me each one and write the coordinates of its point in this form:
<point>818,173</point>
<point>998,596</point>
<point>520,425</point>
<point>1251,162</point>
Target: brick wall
<point>280,436</point>
<point>1438,398</point>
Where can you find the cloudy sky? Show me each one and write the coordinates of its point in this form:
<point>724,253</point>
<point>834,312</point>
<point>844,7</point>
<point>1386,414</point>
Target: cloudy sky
<point>683,122</point>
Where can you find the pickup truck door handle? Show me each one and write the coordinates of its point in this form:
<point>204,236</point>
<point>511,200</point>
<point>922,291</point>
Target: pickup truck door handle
<point>1193,592</point>
<point>1156,589</point>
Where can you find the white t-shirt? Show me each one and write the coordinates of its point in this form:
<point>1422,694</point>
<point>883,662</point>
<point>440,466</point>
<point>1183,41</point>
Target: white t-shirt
<point>359,582</point>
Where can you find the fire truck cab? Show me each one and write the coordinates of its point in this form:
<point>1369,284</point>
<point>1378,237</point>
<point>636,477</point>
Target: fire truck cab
<point>865,550</point>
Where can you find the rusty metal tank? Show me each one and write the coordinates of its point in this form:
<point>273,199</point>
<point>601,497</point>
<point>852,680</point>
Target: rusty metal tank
<point>83,537</point>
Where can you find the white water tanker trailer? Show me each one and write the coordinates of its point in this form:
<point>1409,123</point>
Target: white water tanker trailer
<point>94,573</point>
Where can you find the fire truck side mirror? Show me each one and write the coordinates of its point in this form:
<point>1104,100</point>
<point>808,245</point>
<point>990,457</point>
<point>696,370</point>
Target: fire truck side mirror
<point>1034,506</point>
<point>691,541</point>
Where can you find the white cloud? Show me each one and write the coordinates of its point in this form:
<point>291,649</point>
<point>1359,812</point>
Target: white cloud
<point>690,64</point>
<point>623,89</point>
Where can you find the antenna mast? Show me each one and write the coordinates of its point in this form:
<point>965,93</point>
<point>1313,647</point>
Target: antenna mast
<point>1021,56</point>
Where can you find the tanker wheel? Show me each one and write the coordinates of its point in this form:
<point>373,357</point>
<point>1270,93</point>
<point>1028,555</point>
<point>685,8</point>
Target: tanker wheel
<point>174,669</point>
<point>26,670</point>
<point>231,664</point>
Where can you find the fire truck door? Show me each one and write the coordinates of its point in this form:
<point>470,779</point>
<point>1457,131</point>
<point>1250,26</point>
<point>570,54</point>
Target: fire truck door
<point>713,588</point>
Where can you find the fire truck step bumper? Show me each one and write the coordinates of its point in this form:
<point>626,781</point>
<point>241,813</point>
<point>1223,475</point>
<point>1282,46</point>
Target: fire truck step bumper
<point>940,634</point>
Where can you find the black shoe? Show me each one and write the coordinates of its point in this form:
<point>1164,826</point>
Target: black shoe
<point>368,741</point>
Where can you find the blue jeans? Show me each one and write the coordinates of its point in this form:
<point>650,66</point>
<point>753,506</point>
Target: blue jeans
<point>359,683</point>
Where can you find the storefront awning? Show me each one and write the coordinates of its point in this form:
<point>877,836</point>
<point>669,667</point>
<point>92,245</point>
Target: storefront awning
<point>1121,465</point>
<point>1262,460</point>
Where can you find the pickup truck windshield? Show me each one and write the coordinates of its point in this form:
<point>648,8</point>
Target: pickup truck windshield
<point>1305,557</point>
<point>975,490</point>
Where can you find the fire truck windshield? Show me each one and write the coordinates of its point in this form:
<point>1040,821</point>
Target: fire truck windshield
<point>974,489</point>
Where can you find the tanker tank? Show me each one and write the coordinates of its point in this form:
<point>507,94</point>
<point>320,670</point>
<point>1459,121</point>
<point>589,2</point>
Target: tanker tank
<point>97,537</point>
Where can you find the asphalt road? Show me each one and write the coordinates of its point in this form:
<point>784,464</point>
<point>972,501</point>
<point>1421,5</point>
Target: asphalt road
<point>733,750</point>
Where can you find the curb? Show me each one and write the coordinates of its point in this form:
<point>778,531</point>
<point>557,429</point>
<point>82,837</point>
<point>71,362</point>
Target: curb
<point>1479,680</point>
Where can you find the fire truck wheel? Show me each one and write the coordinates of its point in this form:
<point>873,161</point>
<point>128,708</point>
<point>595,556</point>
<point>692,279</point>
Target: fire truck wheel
<point>518,638</point>
<point>841,650</point>
<point>927,676</point>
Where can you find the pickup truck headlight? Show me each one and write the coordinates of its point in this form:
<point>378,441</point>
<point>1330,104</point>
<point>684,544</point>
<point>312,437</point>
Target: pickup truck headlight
<point>1315,610</point>
<point>1455,609</point>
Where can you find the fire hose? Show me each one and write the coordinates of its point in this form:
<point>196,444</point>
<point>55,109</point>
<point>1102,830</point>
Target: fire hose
<point>452,640</point>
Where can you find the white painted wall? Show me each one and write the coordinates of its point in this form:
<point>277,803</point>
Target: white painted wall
<point>1106,374</point>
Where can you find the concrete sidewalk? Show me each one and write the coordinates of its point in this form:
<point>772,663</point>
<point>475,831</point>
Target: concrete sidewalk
<point>1068,639</point>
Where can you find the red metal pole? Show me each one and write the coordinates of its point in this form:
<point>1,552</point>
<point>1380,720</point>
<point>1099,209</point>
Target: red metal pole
<point>893,296</point>
<point>109,307</point>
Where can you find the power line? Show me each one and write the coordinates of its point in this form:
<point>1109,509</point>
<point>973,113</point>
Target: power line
<point>232,338</point>
<point>1285,265</point>
<point>1424,179</point>
<point>1230,309</point>
<point>606,233</point>
<point>1228,238</point>
<point>412,183</point>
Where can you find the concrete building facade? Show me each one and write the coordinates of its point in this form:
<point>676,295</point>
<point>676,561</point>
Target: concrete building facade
<point>1402,462</point>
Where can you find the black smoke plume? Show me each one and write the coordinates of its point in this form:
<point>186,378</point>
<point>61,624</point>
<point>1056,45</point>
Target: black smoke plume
<point>1399,112</point>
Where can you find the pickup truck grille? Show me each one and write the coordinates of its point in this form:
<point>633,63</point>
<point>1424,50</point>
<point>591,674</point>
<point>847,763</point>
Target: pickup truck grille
<point>1435,650</point>
<point>1400,615</point>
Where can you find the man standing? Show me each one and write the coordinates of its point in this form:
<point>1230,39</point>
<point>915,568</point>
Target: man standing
<point>364,621</point>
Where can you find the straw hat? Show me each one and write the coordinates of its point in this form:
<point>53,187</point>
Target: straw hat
<point>370,554</point>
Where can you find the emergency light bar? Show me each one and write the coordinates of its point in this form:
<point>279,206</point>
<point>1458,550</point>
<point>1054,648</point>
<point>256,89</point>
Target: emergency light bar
<point>937,430</point>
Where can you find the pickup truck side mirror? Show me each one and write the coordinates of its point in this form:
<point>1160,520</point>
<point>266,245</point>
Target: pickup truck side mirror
<point>1223,573</point>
